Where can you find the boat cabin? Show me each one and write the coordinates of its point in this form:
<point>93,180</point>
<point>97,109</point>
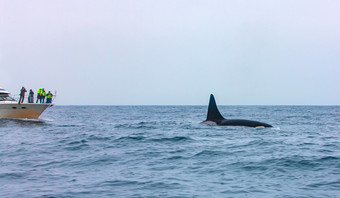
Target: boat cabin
<point>4,95</point>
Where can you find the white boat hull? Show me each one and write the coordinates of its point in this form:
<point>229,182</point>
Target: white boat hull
<point>22,111</point>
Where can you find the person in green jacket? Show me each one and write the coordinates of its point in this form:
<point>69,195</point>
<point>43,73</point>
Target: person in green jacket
<point>43,95</point>
<point>39,95</point>
<point>49,97</point>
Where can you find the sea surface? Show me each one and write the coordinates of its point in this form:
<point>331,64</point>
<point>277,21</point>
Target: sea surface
<point>164,151</point>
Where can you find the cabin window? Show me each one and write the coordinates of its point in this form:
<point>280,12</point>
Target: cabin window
<point>6,98</point>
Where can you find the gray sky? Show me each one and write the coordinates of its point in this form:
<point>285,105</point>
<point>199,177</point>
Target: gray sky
<point>173,51</point>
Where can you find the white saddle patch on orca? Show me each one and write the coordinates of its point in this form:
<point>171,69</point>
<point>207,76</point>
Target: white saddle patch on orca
<point>208,122</point>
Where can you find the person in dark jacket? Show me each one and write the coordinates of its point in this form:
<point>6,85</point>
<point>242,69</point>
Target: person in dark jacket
<point>31,96</point>
<point>22,95</point>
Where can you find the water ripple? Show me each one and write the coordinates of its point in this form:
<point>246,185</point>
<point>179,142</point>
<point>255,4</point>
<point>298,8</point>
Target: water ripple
<point>157,151</point>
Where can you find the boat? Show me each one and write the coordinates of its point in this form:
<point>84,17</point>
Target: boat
<point>10,108</point>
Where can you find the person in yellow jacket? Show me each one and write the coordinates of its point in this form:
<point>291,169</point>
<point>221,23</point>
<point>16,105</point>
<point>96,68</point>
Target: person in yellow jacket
<point>39,95</point>
<point>43,95</point>
<point>49,97</point>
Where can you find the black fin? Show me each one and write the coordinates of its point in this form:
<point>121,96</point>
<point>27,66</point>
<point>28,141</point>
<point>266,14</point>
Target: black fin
<point>213,113</point>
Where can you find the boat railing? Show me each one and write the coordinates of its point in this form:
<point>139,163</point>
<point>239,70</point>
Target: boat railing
<point>16,97</point>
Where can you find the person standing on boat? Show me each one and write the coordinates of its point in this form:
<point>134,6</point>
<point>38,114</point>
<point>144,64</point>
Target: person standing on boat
<point>31,96</point>
<point>39,95</point>
<point>49,97</point>
<point>43,95</point>
<point>22,95</point>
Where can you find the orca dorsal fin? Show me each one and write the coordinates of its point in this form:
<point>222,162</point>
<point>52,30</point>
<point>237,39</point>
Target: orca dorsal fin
<point>213,113</point>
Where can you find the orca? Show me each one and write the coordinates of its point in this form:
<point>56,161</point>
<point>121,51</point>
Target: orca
<point>214,117</point>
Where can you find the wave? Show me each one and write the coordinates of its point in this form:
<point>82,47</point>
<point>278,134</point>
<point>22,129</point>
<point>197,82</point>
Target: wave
<point>335,184</point>
<point>77,145</point>
<point>289,163</point>
<point>46,119</point>
<point>13,175</point>
<point>159,140</point>
<point>77,142</point>
<point>98,138</point>
<point>68,125</point>
<point>300,162</point>
<point>156,125</point>
<point>172,139</point>
<point>140,125</point>
<point>133,138</point>
<point>210,153</point>
<point>176,157</point>
<point>119,183</point>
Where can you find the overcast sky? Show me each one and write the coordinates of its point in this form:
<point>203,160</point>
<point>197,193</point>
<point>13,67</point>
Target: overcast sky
<point>173,52</point>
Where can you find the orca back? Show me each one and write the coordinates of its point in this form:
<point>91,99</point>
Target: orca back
<point>214,117</point>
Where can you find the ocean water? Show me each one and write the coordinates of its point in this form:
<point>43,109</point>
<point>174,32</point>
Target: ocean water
<point>164,151</point>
